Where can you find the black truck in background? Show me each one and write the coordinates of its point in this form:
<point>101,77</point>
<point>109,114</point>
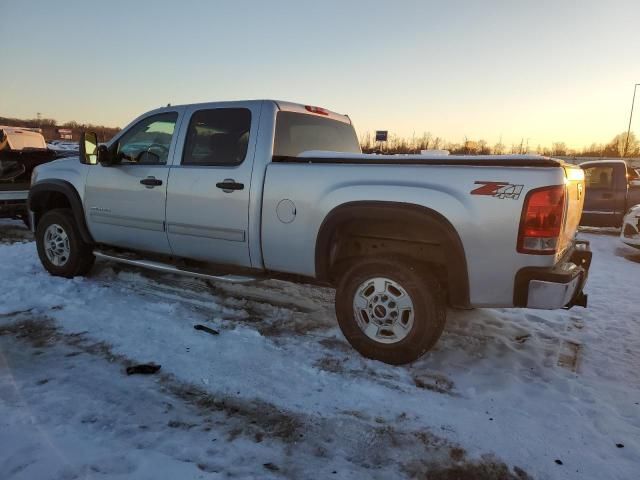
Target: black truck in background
<point>21,150</point>
<point>611,188</point>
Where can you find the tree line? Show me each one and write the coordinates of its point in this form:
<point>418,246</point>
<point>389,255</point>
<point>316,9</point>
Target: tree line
<point>396,144</point>
<point>49,127</point>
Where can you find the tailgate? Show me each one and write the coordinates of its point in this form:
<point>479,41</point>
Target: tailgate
<point>574,181</point>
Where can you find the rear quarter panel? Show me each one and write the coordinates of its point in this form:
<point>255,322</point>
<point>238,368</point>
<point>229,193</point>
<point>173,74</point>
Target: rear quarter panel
<point>487,225</point>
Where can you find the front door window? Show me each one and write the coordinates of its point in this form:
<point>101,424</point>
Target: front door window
<point>147,142</point>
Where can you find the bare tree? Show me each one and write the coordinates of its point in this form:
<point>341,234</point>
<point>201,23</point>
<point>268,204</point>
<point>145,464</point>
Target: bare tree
<point>483,148</point>
<point>616,147</point>
<point>559,149</point>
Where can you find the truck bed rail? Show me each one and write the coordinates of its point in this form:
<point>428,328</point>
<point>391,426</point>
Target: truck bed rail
<point>444,160</point>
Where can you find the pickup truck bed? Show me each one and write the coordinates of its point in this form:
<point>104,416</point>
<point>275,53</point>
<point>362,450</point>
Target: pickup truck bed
<point>15,176</point>
<point>21,150</point>
<point>443,183</point>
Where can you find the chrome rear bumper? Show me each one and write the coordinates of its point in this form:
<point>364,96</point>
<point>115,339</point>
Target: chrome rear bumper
<point>557,287</point>
<point>552,295</point>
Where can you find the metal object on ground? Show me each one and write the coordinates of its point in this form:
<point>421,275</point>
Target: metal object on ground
<point>204,328</point>
<point>143,368</point>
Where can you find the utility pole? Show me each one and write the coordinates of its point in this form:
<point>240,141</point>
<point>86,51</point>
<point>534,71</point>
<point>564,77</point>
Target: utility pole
<point>633,100</point>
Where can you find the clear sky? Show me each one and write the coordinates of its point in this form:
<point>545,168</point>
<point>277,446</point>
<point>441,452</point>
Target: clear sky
<point>540,70</point>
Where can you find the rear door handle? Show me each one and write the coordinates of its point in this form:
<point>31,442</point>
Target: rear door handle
<point>151,182</point>
<point>228,185</point>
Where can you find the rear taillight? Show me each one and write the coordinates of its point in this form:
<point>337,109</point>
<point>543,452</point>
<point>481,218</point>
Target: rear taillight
<point>542,219</point>
<point>318,110</point>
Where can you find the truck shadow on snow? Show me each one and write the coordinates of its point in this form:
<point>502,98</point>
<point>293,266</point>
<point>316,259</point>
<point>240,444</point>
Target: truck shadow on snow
<point>290,315</point>
<point>284,317</point>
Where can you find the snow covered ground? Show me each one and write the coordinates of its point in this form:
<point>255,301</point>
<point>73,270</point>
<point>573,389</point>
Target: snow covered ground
<point>280,394</point>
<point>64,146</point>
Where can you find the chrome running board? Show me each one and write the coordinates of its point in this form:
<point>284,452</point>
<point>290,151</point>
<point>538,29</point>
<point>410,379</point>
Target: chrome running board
<point>168,268</point>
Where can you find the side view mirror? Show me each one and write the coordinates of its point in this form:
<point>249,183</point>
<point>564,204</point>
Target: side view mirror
<point>92,153</point>
<point>89,148</point>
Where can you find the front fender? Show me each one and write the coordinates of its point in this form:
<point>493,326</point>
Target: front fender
<point>68,169</point>
<point>41,199</point>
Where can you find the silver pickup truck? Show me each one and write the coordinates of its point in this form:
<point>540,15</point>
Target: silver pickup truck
<point>239,191</point>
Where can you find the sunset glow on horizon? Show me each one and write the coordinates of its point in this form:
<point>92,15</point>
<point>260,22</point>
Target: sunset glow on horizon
<point>538,72</point>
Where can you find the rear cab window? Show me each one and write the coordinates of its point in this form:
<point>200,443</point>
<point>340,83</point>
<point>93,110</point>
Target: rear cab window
<point>300,132</point>
<point>599,177</point>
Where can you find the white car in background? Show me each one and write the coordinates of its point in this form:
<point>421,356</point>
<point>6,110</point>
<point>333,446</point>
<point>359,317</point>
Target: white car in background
<point>631,227</point>
<point>64,146</point>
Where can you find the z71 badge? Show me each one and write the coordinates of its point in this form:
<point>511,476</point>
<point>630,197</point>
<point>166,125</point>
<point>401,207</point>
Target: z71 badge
<point>499,190</point>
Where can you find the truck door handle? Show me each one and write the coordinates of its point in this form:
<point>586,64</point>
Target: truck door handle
<point>151,182</point>
<point>228,185</point>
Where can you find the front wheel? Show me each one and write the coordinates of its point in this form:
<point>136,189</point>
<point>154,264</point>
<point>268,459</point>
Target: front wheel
<point>61,249</point>
<point>390,310</point>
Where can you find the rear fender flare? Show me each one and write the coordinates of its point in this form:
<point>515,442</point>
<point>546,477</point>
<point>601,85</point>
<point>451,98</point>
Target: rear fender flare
<point>456,263</point>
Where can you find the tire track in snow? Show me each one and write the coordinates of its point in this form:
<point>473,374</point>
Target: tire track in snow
<point>280,317</point>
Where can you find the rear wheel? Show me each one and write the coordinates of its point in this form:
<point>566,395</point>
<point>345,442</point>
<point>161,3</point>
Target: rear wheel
<point>390,310</point>
<point>61,249</point>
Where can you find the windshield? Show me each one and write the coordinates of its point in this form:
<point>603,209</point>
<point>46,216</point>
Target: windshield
<point>299,132</point>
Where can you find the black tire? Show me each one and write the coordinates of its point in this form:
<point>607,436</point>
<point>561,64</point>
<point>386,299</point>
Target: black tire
<point>80,258</point>
<point>429,309</point>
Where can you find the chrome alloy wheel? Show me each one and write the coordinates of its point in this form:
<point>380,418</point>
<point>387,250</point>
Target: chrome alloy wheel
<point>56,245</point>
<point>384,310</point>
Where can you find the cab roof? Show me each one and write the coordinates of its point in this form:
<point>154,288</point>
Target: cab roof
<point>284,106</point>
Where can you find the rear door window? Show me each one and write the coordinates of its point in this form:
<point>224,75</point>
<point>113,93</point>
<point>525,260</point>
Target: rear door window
<point>217,137</point>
